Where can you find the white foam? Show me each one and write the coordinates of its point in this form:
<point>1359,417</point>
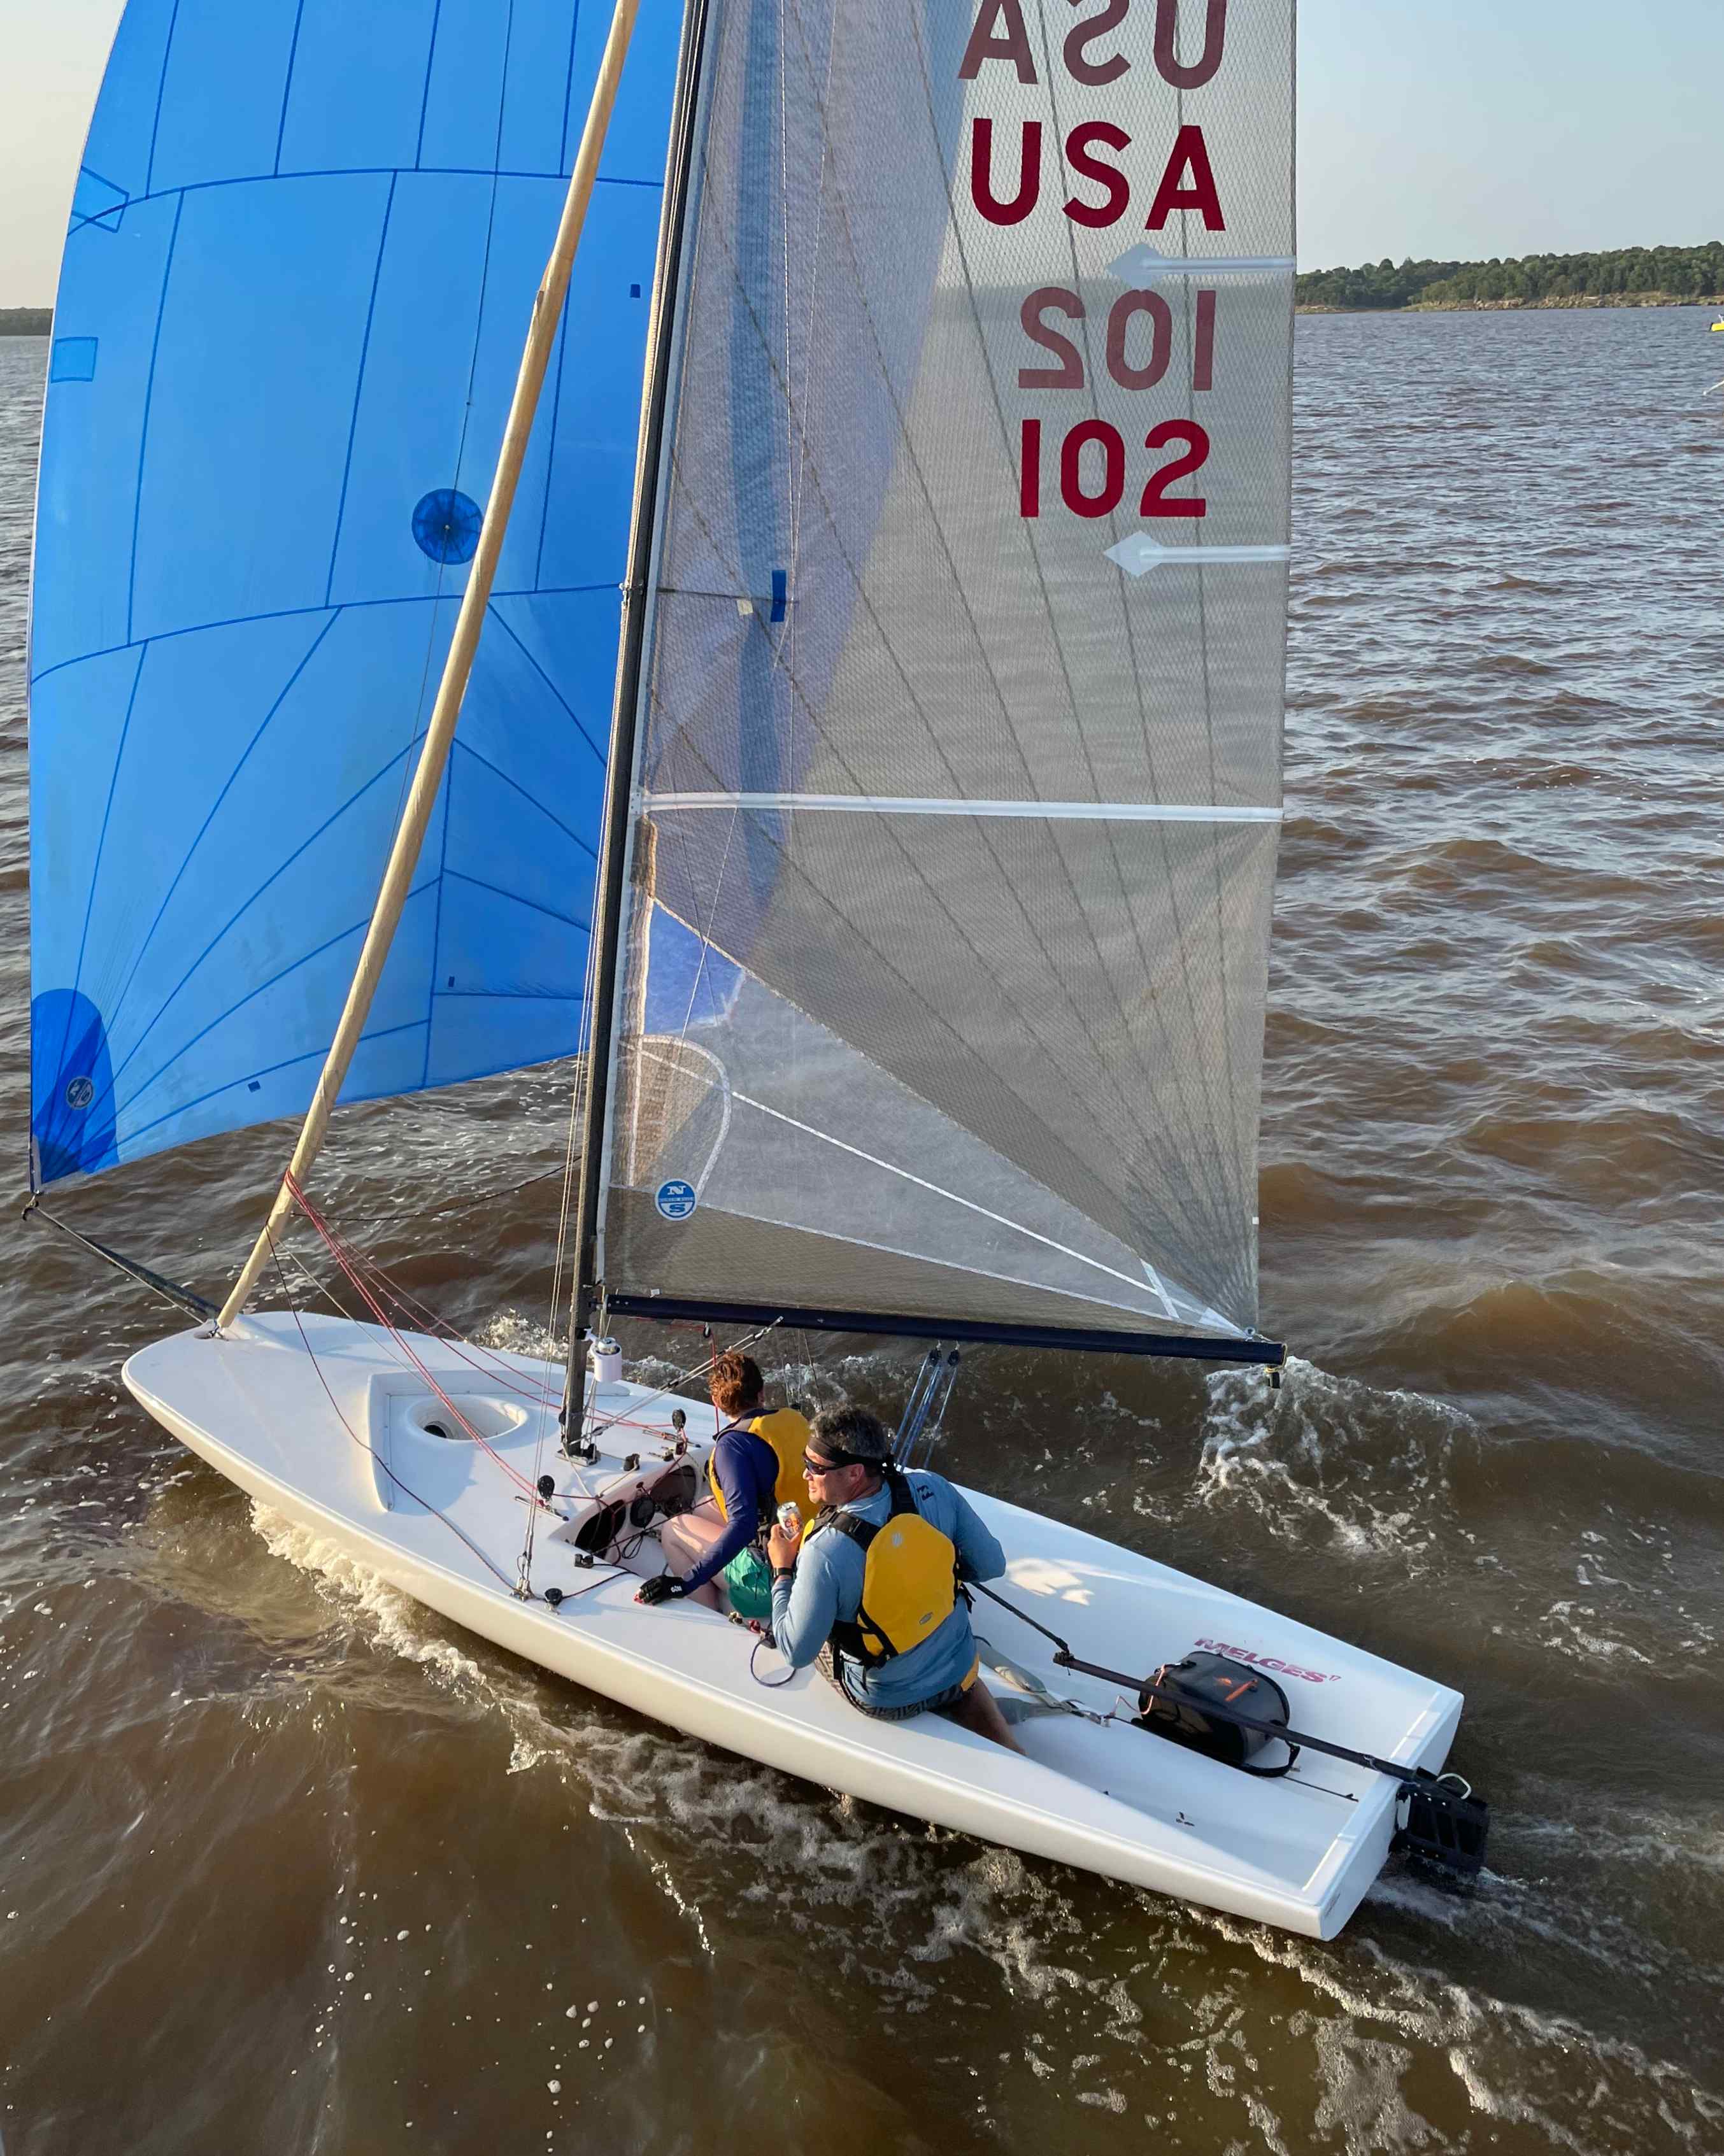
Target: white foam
<point>1365,1469</point>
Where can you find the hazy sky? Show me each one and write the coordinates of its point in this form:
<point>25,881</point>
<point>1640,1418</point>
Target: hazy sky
<point>1454,128</point>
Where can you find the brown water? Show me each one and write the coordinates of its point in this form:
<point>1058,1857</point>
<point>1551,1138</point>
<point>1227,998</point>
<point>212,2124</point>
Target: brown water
<point>286,1865</point>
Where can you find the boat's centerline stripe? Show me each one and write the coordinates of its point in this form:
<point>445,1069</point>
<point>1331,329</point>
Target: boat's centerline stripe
<point>1054,812</point>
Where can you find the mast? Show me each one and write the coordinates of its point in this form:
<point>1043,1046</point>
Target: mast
<point>614,844</point>
<point>403,858</point>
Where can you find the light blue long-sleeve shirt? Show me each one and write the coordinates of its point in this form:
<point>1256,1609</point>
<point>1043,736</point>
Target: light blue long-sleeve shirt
<point>827,1589</point>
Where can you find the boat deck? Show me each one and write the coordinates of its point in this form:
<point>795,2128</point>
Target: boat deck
<point>433,1512</point>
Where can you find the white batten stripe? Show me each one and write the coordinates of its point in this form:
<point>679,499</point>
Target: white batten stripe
<point>1142,263</point>
<point>1052,812</point>
<point>1137,554</point>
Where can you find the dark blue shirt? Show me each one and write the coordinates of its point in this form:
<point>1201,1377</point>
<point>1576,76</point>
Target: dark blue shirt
<point>746,1469</point>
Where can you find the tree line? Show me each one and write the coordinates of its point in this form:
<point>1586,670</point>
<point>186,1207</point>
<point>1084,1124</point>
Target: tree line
<point>1678,273</point>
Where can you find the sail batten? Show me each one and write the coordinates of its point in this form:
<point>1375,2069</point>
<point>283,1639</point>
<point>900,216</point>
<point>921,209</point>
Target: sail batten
<point>956,801</point>
<point>1057,811</point>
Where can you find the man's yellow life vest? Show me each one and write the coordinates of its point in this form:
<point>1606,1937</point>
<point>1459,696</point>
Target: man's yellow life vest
<point>909,1580</point>
<point>788,1435</point>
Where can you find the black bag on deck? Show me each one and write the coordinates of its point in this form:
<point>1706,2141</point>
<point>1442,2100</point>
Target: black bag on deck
<point>1204,1681</point>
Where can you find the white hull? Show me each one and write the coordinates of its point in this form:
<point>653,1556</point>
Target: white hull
<point>1107,1798</point>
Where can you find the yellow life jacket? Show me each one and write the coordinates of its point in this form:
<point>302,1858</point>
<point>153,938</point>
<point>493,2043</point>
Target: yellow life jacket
<point>909,1580</point>
<point>788,1434</point>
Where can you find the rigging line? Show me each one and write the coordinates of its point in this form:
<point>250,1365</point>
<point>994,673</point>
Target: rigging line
<point>915,466</point>
<point>317,1285</point>
<point>1093,376</point>
<point>697,1371</point>
<point>183,1298</point>
<point>436,1512</point>
<point>489,1363</point>
<point>455,1205</point>
<point>398,1337</point>
<point>936,739</point>
<point>1196,1128</point>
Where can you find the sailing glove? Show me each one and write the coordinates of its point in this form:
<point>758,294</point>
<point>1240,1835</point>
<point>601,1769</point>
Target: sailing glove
<point>666,1588</point>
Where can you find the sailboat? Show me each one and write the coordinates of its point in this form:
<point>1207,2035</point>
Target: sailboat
<point>830,683</point>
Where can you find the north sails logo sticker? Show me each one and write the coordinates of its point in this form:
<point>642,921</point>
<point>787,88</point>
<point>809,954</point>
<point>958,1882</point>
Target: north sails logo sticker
<point>675,1200</point>
<point>1269,1662</point>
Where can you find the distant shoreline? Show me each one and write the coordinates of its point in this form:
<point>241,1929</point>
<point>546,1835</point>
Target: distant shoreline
<point>1568,302</point>
<point>38,321</point>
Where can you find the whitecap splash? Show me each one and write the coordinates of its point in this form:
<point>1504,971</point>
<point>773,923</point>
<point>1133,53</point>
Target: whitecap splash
<point>1367,1471</point>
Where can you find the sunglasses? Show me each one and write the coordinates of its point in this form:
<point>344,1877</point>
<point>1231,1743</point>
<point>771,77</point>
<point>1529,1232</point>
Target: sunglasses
<point>816,1467</point>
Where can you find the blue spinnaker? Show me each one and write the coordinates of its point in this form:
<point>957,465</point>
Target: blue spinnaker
<point>301,262</point>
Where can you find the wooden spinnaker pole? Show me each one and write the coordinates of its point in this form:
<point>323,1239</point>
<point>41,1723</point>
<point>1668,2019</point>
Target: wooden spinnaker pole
<point>547,313</point>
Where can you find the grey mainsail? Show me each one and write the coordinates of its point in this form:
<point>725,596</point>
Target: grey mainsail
<point>955,782</point>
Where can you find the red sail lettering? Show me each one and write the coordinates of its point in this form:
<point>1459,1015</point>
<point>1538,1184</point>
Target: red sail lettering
<point>1096,72</point>
<point>1029,477</point>
<point>1112,472</point>
<point>1069,373</point>
<point>1011,42</point>
<point>982,173</point>
<point>1155,503</point>
<point>1203,355</point>
<point>1215,34</point>
<point>1161,316</point>
<point>1175,193</point>
<point>1119,188</point>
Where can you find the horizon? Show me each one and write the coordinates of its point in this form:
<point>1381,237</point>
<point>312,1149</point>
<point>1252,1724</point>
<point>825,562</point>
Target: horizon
<point>1313,268</point>
<point>1443,133</point>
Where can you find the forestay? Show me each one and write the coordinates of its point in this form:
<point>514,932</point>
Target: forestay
<point>957,778</point>
<point>304,248</point>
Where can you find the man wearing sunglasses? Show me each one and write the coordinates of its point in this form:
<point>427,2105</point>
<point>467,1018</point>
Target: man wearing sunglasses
<point>819,1581</point>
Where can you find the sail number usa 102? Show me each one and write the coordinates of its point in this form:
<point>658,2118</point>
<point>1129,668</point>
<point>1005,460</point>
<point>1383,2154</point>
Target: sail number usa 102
<point>1089,466</point>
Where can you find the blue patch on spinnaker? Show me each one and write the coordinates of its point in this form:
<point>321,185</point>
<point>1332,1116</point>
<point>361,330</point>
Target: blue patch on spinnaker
<point>74,360</point>
<point>71,1088</point>
<point>446,524</point>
